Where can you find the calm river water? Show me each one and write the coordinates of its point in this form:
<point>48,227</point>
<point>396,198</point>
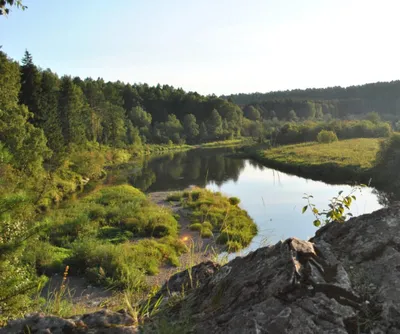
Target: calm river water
<point>272,198</point>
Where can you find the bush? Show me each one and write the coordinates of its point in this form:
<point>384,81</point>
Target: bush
<point>233,246</point>
<point>218,211</point>
<point>208,225</point>
<point>234,200</point>
<point>206,233</point>
<point>326,137</point>
<point>195,227</point>
<point>388,162</point>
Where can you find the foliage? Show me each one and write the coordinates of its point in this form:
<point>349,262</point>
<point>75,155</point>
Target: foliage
<point>388,161</point>
<point>337,208</point>
<point>234,200</point>
<point>6,10</point>
<point>195,227</point>
<point>214,212</point>
<point>326,137</point>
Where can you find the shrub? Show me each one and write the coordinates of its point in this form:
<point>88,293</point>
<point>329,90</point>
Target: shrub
<point>206,233</point>
<point>160,231</point>
<point>217,211</point>
<point>233,246</point>
<point>208,225</point>
<point>388,162</point>
<point>234,200</point>
<point>195,195</point>
<point>195,227</point>
<point>326,137</point>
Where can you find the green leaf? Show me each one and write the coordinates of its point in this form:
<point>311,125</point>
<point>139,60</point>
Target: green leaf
<point>340,192</point>
<point>315,210</point>
<point>304,208</point>
<point>317,223</point>
<point>354,197</point>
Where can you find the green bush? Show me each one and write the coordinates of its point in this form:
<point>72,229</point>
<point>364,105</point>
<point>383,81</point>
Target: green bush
<point>196,227</point>
<point>326,137</point>
<point>219,212</point>
<point>233,246</point>
<point>234,200</point>
<point>388,162</point>
<point>208,225</point>
<point>206,233</point>
<point>195,195</point>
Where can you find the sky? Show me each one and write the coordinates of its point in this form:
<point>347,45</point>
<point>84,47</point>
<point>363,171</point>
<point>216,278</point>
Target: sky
<point>211,46</point>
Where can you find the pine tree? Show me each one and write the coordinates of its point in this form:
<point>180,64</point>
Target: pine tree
<point>73,112</point>
<point>214,125</point>
<point>203,132</point>
<point>48,104</point>
<point>191,128</point>
<point>30,88</point>
<point>9,82</point>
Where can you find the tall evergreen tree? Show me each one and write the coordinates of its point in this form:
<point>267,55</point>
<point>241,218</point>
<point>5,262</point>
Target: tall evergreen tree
<point>214,125</point>
<point>73,112</point>
<point>190,127</point>
<point>30,88</point>
<point>9,82</point>
<point>48,104</point>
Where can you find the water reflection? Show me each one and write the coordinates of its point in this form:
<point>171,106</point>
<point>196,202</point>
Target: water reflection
<point>181,170</point>
<point>273,199</point>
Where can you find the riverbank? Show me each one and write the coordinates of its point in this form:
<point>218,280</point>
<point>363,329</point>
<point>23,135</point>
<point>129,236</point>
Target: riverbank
<point>116,241</point>
<point>163,148</point>
<point>345,161</point>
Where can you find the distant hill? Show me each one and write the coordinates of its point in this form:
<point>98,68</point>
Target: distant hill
<point>382,97</point>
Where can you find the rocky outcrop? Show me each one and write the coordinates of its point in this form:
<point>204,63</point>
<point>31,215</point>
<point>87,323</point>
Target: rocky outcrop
<point>344,280</point>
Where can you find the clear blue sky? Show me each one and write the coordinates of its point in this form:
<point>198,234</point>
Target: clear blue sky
<point>212,46</point>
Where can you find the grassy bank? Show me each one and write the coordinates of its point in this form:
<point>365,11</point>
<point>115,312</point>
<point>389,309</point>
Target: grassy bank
<point>113,237</point>
<point>341,161</point>
<point>216,216</point>
<point>227,143</point>
<point>162,148</point>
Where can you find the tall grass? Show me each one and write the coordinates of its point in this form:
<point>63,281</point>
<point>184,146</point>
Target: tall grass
<point>114,236</point>
<point>214,214</point>
<point>342,161</point>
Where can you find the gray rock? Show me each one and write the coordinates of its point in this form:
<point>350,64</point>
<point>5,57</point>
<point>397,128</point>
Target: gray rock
<point>103,321</point>
<point>344,280</point>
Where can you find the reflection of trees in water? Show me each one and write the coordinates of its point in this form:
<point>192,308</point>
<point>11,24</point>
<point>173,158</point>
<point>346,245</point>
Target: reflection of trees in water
<point>180,170</point>
<point>256,165</point>
<point>384,199</point>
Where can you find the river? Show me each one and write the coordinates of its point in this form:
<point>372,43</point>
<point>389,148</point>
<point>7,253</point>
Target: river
<point>272,198</point>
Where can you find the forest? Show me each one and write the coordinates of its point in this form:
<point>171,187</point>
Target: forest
<point>344,102</point>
